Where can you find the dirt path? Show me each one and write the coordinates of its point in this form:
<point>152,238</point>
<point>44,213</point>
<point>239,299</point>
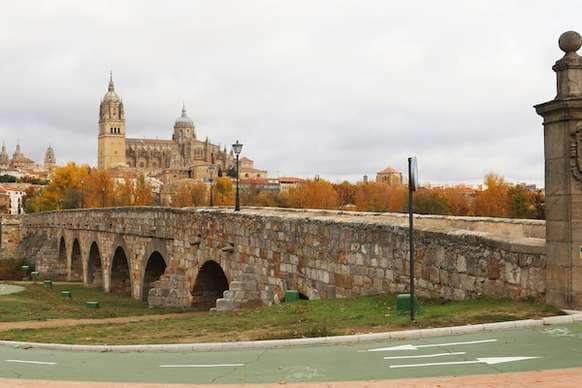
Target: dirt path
<point>5,326</point>
<point>560,378</point>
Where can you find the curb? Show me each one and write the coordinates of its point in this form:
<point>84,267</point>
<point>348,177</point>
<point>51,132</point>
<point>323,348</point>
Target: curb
<point>337,340</point>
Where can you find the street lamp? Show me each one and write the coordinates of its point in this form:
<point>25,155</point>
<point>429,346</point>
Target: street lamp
<point>237,148</point>
<point>412,187</point>
<point>211,171</point>
<point>82,193</point>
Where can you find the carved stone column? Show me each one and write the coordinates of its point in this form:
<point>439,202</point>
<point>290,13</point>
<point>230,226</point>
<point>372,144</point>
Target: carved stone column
<point>563,178</point>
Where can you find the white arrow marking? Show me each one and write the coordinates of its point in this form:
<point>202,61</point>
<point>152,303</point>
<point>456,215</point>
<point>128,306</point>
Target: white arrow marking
<point>425,356</point>
<point>415,347</point>
<point>202,366</point>
<point>32,362</point>
<point>485,360</point>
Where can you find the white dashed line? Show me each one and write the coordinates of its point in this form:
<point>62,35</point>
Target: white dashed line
<point>32,362</point>
<point>425,356</point>
<point>202,366</point>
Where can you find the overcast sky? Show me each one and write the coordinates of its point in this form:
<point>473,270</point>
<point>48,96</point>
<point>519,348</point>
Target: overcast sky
<point>335,88</point>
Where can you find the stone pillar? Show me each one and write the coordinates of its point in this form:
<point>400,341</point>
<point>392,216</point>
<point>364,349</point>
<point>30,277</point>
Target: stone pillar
<point>9,236</point>
<point>563,178</point>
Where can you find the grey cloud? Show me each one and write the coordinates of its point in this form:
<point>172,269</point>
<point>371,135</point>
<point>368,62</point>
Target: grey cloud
<point>332,88</point>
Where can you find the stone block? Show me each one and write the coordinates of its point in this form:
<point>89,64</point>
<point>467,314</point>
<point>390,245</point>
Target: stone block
<point>556,142</point>
<point>512,273</point>
<point>557,173</point>
<point>558,253</point>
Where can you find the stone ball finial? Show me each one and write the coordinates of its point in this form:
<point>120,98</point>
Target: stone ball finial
<point>570,42</point>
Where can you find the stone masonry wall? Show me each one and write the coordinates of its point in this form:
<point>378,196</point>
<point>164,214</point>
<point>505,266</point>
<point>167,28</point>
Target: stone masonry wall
<point>323,254</point>
<point>9,236</point>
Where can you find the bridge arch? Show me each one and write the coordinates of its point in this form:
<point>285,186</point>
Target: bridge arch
<point>76,264</point>
<point>62,251</point>
<point>153,270</point>
<point>120,274</point>
<point>94,267</point>
<point>210,284</point>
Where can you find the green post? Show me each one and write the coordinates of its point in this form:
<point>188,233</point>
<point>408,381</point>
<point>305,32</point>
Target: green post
<point>66,295</point>
<point>405,303</point>
<point>25,269</point>
<point>48,284</point>
<point>291,295</point>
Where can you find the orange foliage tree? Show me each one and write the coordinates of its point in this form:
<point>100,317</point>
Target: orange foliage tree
<point>493,200</point>
<point>190,194</point>
<point>314,194</point>
<point>79,186</point>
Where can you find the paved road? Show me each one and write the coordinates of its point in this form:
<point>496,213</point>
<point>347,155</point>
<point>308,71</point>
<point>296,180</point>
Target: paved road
<point>551,347</point>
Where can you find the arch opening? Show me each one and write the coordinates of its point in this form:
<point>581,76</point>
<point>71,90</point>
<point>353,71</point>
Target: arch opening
<point>210,284</point>
<point>76,262</point>
<point>94,267</point>
<point>155,268</point>
<point>120,275</point>
<point>62,251</point>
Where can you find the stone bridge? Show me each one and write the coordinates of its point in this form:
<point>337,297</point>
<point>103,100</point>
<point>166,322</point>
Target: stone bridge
<point>215,257</point>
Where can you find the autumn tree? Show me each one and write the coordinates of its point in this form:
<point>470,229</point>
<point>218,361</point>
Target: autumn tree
<point>223,192</point>
<point>428,201</point>
<point>190,194</point>
<point>492,201</point>
<point>133,192</point>
<point>63,192</point>
<point>76,186</point>
<point>313,194</point>
<point>346,193</point>
<point>372,197</point>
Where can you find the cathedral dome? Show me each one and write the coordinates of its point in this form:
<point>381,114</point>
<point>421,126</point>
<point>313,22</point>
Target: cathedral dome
<point>184,121</point>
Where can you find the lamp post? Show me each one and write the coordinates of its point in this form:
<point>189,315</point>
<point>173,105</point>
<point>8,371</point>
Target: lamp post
<point>82,193</point>
<point>211,170</point>
<point>412,186</point>
<point>237,148</point>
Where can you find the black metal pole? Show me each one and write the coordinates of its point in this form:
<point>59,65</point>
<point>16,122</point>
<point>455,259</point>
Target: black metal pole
<point>411,241</point>
<point>237,205</point>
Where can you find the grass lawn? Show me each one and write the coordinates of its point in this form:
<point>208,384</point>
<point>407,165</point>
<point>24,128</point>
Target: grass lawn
<point>290,320</point>
<point>38,303</point>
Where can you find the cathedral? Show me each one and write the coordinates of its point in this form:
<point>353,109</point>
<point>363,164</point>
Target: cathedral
<point>184,156</point>
<point>21,162</point>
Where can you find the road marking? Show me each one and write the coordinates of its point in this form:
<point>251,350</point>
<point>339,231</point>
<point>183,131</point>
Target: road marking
<point>32,362</point>
<point>485,360</point>
<point>425,356</point>
<point>202,366</point>
<point>415,347</point>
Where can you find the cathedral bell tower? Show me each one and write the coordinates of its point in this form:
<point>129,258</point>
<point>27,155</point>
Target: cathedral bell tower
<point>111,140</point>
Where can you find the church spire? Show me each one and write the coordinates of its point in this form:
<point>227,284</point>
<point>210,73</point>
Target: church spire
<point>111,88</point>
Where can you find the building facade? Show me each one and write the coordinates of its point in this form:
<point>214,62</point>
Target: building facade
<point>12,199</point>
<point>389,176</point>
